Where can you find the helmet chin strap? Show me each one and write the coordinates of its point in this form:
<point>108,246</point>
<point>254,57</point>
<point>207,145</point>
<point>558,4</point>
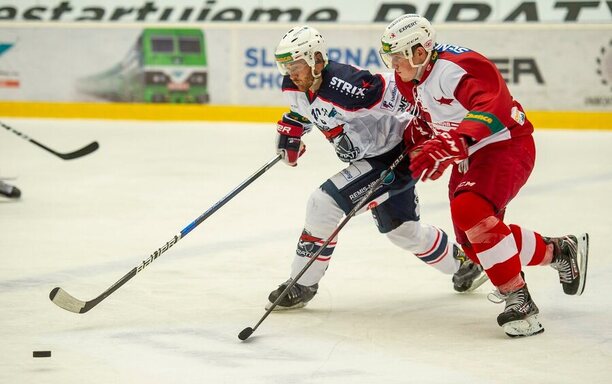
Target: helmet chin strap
<point>420,67</point>
<point>318,79</point>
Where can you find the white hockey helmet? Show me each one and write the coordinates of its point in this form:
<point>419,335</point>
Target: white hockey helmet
<point>300,43</point>
<point>403,34</point>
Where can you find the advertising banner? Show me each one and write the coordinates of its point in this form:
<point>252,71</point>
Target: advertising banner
<point>299,11</point>
<point>547,68</point>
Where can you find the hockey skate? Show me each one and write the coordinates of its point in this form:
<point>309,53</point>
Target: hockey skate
<point>469,276</point>
<point>520,317</point>
<point>297,297</point>
<point>570,258</point>
<point>9,191</point>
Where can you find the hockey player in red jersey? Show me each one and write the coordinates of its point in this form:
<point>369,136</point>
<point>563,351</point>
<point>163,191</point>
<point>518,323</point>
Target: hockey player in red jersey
<point>364,118</point>
<point>484,134</point>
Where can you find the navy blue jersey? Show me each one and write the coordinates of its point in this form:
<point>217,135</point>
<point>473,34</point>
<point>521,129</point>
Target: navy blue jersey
<point>362,114</point>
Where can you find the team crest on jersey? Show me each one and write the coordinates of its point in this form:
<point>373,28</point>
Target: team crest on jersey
<point>444,101</point>
<point>347,88</point>
<point>321,114</point>
<point>345,149</point>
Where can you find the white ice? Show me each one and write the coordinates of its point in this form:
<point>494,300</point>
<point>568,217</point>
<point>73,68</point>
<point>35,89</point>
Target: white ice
<point>381,316</point>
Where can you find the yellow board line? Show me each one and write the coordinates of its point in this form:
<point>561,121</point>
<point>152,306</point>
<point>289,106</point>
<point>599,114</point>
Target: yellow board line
<point>246,113</point>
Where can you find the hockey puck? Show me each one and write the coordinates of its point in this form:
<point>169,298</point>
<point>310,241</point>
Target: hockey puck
<point>41,353</point>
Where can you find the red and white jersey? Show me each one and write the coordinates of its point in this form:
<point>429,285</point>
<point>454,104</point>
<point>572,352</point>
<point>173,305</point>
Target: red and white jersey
<point>462,90</point>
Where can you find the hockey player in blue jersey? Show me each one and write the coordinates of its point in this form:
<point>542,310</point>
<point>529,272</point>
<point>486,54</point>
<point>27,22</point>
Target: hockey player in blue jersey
<point>364,118</point>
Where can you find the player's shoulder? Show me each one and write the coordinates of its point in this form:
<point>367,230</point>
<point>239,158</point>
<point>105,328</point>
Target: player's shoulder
<point>463,57</point>
<point>351,87</point>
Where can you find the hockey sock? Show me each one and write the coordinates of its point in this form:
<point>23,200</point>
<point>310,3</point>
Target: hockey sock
<point>490,238</point>
<point>308,245</point>
<point>532,248</point>
<point>428,243</point>
<point>514,284</point>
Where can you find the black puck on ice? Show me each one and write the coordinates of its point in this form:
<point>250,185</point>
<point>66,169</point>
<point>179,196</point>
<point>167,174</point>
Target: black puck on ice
<point>41,353</point>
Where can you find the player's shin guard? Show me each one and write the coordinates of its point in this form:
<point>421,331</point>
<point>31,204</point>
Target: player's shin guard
<point>491,240</point>
<point>426,242</point>
<point>307,246</point>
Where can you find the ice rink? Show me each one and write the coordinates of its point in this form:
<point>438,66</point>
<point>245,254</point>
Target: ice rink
<point>381,316</point>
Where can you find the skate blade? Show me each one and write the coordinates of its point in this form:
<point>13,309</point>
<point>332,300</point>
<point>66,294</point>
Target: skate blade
<point>282,308</point>
<point>582,255</point>
<point>478,282</point>
<point>522,328</point>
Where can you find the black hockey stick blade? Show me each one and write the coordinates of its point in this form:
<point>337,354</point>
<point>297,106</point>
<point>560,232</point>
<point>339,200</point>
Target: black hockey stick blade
<point>86,150</point>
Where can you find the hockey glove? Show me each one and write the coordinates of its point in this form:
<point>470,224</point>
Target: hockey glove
<point>288,140</point>
<point>430,159</point>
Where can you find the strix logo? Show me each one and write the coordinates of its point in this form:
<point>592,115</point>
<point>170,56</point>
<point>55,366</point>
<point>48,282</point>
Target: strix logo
<point>347,88</point>
<point>604,65</point>
<point>365,84</point>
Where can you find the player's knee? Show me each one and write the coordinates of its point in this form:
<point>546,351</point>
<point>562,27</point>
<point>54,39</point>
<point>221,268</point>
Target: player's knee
<point>322,213</point>
<point>468,209</point>
<point>387,219</point>
<point>406,234</point>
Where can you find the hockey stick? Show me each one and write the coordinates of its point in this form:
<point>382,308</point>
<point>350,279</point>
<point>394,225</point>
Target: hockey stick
<point>86,150</point>
<point>248,331</point>
<point>68,302</point>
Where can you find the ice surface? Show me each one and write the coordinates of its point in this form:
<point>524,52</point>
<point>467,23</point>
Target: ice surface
<point>381,316</point>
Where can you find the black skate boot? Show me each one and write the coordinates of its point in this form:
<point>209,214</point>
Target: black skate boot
<point>297,297</point>
<point>520,317</point>
<point>570,258</point>
<point>9,191</point>
<point>470,275</point>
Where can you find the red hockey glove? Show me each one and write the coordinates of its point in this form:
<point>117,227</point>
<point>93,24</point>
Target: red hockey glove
<point>288,141</point>
<point>430,159</point>
<point>417,131</point>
